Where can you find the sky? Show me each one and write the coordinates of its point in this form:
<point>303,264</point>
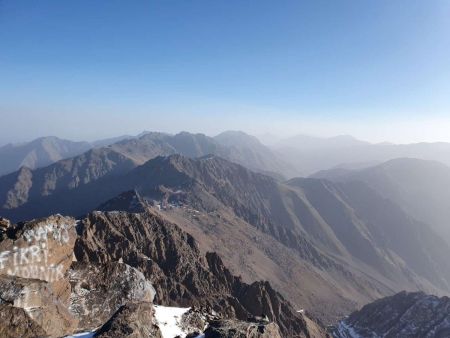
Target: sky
<point>84,70</point>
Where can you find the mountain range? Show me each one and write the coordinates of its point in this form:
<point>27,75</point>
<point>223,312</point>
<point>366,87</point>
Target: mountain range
<point>311,154</point>
<point>290,157</point>
<point>329,243</point>
<point>420,187</point>
<point>341,238</point>
<point>44,151</point>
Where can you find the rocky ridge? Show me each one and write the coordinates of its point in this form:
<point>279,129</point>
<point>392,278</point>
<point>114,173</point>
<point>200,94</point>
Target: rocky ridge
<point>405,314</point>
<point>181,275</point>
<point>108,284</point>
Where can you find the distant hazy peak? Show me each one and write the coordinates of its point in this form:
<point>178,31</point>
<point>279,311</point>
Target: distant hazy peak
<point>237,138</point>
<point>38,153</point>
<point>312,142</point>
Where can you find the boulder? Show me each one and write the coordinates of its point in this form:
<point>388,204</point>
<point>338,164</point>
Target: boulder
<point>40,304</point>
<point>240,329</point>
<point>34,259</point>
<point>131,320</point>
<point>15,322</point>
<point>40,249</point>
<point>99,290</point>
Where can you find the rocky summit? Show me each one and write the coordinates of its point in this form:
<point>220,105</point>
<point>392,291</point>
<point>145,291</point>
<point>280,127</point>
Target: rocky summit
<point>104,273</point>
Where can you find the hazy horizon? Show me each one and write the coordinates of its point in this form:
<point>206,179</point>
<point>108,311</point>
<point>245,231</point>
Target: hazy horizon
<point>266,138</point>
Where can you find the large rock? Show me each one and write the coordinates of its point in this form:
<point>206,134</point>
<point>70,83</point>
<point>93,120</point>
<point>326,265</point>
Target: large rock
<point>40,249</point>
<point>34,259</point>
<point>15,322</point>
<point>240,329</point>
<point>134,320</point>
<point>40,304</point>
<point>99,290</point>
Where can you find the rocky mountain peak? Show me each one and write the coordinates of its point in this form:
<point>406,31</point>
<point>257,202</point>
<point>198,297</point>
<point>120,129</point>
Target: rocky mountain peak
<point>130,201</point>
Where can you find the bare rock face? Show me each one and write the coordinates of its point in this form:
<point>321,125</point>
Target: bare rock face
<point>34,258</point>
<point>239,329</point>
<point>40,304</point>
<point>15,322</point>
<point>182,276</point>
<point>131,320</point>
<point>40,249</point>
<point>99,290</point>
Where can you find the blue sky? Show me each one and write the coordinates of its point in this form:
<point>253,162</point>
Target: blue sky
<point>86,69</point>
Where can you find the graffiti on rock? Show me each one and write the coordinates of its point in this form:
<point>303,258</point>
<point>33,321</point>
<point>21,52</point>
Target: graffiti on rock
<point>31,259</point>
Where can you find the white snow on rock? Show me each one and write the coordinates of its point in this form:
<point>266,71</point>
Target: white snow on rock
<point>168,319</point>
<point>82,335</point>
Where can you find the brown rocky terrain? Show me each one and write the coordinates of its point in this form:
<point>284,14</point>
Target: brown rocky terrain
<point>172,262</point>
<point>50,295</point>
<point>17,323</point>
<point>131,320</point>
<point>97,291</point>
<point>132,259</point>
<point>35,257</point>
<point>318,233</point>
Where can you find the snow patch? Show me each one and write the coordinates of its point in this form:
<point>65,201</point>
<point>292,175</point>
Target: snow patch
<point>169,320</point>
<point>82,335</point>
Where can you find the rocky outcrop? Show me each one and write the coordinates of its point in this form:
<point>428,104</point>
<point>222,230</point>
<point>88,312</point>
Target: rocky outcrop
<point>99,290</point>
<point>15,322</point>
<point>40,303</point>
<point>257,299</point>
<point>240,329</point>
<point>103,278</point>
<point>402,315</point>
<point>131,320</point>
<point>34,259</point>
<point>130,201</point>
<point>181,275</point>
<point>54,296</point>
<point>40,249</point>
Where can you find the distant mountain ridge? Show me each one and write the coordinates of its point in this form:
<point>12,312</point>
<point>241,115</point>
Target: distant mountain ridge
<point>235,146</point>
<point>44,151</point>
<point>286,158</point>
<point>420,187</point>
<point>38,153</point>
<point>311,154</point>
